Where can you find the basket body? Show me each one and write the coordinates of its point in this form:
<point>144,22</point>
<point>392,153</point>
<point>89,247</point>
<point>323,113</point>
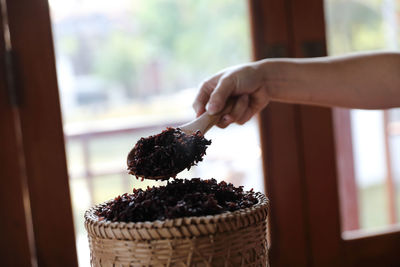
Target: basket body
<point>229,239</point>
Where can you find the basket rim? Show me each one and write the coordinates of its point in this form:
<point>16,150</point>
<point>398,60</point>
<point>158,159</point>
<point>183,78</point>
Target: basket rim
<point>261,207</point>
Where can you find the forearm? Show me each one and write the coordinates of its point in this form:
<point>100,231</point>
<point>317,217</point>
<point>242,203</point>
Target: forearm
<point>366,81</point>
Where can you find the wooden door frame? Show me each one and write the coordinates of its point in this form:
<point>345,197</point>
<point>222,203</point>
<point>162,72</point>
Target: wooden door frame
<point>299,156</point>
<point>15,226</point>
<point>41,141</point>
<point>280,128</point>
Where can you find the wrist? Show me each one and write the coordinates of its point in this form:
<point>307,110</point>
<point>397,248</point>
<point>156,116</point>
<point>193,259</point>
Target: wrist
<point>273,77</point>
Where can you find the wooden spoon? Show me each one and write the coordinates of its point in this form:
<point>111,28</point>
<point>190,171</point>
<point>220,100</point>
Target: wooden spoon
<point>203,123</point>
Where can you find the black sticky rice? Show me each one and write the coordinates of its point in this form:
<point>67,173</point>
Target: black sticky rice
<point>166,154</point>
<point>179,198</point>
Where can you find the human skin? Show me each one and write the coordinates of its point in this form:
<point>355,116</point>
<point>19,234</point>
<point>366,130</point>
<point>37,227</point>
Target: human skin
<point>362,81</point>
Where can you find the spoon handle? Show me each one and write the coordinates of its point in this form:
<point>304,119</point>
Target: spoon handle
<point>205,121</point>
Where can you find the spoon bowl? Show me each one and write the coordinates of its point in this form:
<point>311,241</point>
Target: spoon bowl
<point>193,130</point>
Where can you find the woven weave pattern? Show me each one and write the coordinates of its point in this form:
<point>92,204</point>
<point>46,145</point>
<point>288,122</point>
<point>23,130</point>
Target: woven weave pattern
<point>229,239</point>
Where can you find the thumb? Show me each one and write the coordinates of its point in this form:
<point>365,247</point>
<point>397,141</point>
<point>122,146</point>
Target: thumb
<point>219,96</point>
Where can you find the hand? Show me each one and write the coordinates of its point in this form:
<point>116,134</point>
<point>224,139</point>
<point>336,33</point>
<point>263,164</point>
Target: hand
<point>245,83</point>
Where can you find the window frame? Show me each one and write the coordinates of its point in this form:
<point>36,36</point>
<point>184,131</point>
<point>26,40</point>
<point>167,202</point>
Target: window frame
<point>300,156</point>
<point>41,141</point>
<point>298,144</point>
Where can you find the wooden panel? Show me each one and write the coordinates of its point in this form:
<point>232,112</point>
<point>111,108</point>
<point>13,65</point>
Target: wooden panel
<point>373,249</point>
<point>321,186</point>
<point>14,233</point>
<point>318,144</point>
<point>308,27</point>
<point>269,28</point>
<point>14,241</point>
<point>279,140</point>
<point>284,187</point>
<point>41,125</point>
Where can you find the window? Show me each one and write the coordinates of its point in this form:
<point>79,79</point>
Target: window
<point>127,69</point>
<point>297,141</point>
<point>362,26</point>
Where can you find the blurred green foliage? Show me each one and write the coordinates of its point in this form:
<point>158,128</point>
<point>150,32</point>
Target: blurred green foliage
<point>164,45</point>
<point>354,25</point>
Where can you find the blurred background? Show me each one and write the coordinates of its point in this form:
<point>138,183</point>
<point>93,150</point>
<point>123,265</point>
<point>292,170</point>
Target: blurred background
<point>128,69</point>
<point>370,25</point>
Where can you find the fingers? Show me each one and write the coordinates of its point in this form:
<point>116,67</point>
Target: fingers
<point>257,102</point>
<point>219,96</point>
<point>233,81</point>
<point>246,116</point>
<point>237,112</point>
<point>241,82</point>
<point>199,104</point>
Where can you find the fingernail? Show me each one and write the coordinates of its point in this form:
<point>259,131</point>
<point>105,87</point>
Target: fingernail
<point>227,119</point>
<point>212,108</point>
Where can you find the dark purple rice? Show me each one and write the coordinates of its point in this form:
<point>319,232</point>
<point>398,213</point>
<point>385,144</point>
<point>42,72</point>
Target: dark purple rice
<point>166,154</point>
<point>179,198</point>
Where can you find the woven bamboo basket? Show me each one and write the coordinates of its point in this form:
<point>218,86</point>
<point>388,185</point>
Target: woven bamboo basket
<point>229,239</point>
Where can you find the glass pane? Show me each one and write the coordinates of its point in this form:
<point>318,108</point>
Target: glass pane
<point>362,26</point>
<point>125,70</point>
